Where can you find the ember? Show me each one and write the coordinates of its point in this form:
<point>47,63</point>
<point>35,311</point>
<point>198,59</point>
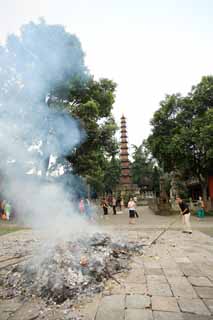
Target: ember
<point>72,269</point>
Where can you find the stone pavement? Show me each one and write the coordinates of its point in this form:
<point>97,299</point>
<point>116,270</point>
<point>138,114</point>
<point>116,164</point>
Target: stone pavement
<point>173,280</point>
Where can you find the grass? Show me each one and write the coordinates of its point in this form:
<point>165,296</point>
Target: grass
<point>4,229</point>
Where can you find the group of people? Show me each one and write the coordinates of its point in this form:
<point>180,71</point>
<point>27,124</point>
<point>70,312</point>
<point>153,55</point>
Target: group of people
<point>5,210</point>
<point>85,208</point>
<point>132,209</point>
<point>111,201</point>
<point>119,202</point>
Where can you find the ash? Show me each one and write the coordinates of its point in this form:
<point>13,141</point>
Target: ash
<point>72,269</point>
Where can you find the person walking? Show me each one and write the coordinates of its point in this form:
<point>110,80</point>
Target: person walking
<point>104,205</point>
<point>7,210</point>
<point>81,206</point>
<point>201,208</point>
<point>88,211</point>
<point>131,207</point>
<point>114,205</point>
<point>184,208</point>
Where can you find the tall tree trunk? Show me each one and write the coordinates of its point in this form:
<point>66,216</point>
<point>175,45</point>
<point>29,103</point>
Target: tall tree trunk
<point>204,191</point>
<point>204,185</point>
<point>45,166</point>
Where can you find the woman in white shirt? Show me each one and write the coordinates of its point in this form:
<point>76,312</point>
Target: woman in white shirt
<point>131,207</point>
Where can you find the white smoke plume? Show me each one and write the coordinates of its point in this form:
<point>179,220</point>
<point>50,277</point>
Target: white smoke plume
<point>33,66</point>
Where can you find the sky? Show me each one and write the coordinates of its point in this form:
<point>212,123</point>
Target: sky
<point>150,48</point>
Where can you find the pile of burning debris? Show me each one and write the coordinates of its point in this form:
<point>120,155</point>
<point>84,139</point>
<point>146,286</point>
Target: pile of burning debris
<point>71,269</point>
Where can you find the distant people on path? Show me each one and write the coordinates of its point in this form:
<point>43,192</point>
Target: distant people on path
<point>88,209</point>
<point>131,207</point>
<point>104,205</point>
<point>1,208</point>
<point>114,205</point>
<point>81,206</point>
<point>184,208</point>
<point>109,200</point>
<point>7,210</point>
<point>201,208</point>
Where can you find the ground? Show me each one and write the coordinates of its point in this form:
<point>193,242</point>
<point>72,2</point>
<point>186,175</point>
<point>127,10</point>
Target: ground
<point>172,280</point>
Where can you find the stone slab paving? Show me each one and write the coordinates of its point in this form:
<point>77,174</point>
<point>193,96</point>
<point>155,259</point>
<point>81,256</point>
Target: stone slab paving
<point>181,287</point>
<point>172,272</point>
<point>160,315</point>
<point>138,314</point>
<point>192,316</point>
<point>205,292</point>
<point>135,277</point>
<point>209,304</point>
<point>159,289</point>
<point>137,301</point>
<point>131,288</point>
<point>173,280</point>
<point>193,306</point>
<point>165,304</point>
<point>200,281</point>
<point>111,308</point>
<point>160,279</point>
<point>176,293</point>
<point>154,271</point>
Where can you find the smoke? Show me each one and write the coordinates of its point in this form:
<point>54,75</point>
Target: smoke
<point>41,62</point>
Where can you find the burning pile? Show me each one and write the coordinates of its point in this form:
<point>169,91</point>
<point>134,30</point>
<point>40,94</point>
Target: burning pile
<point>72,269</point>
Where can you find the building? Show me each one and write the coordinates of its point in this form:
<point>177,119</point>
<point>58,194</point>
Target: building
<point>125,184</point>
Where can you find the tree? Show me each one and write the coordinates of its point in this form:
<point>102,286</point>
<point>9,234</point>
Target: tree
<point>143,169</point>
<point>43,59</point>
<point>41,62</point>
<point>50,104</point>
<point>182,131</point>
<point>111,174</point>
<point>91,103</point>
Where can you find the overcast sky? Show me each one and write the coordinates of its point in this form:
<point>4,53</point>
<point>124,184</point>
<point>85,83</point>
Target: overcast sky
<point>148,47</point>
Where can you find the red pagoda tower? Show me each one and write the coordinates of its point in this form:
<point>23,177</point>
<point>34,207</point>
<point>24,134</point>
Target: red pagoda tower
<point>125,187</point>
<point>125,178</point>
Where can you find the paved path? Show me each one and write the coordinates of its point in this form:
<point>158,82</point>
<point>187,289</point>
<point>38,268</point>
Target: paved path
<point>173,280</point>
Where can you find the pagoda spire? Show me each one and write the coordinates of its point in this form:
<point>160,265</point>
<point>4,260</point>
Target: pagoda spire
<point>125,178</point>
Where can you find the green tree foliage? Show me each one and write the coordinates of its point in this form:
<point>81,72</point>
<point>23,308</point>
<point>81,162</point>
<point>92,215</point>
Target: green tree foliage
<point>91,102</point>
<point>46,63</point>
<point>42,61</point>
<point>144,172</point>
<point>182,132</point>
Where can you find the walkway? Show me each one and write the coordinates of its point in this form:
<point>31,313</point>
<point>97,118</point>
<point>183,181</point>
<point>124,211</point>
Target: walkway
<point>173,280</point>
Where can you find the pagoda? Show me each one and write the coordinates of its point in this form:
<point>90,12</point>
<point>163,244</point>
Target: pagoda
<point>125,183</point>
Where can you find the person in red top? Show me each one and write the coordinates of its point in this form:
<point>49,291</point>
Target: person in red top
<point>81,206</point>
